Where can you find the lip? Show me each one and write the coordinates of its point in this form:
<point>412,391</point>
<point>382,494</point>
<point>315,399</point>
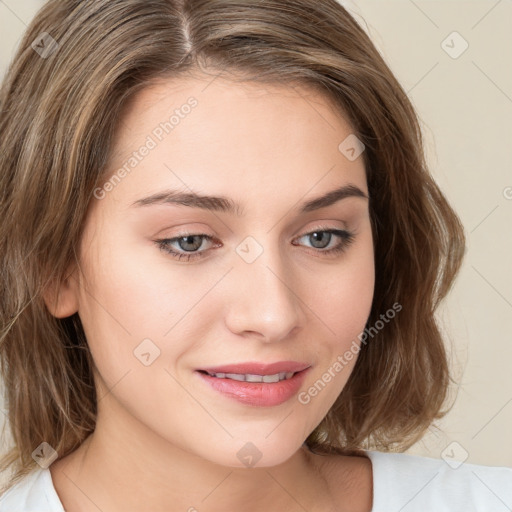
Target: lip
<point>259,394</point>
<point>257,368</point>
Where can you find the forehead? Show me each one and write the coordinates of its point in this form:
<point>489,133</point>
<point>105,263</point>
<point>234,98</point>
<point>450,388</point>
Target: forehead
<point>237,136</point>
<point>224,104</point>
<point>233,87</point>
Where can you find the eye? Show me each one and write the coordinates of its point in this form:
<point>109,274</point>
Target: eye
<point>188,244</point>
<point>321,238</point>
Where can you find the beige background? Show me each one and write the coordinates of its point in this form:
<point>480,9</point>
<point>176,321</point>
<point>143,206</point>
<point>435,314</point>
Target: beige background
<point>465,105</point>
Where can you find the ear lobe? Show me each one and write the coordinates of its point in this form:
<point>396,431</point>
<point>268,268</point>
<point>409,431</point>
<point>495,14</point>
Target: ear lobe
<point>62,299</point>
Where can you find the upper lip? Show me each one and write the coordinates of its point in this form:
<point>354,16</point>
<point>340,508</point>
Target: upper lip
<point>256,368</point>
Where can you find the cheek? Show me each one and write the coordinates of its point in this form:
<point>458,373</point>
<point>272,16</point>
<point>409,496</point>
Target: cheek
<point>135,302</point>
<point>135,318</point>
<point>343,305</point>
<point>344,296</point>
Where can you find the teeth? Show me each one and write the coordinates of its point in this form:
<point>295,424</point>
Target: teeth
<point>235,376</point>
<point>254,378</point>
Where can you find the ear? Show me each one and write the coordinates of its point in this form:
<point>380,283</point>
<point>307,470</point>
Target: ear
<point>62,299</point>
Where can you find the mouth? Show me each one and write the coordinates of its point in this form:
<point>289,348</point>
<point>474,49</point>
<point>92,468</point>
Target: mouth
<point>282,369</point>
<point>257,384</point>
<point>251,377</point>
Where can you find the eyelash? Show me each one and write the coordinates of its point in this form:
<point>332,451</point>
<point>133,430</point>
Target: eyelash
<point>346,236</point>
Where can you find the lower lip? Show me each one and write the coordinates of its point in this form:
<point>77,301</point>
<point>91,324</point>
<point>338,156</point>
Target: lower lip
<point>262,394</point>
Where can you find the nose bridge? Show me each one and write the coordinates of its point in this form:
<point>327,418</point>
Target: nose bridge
<point>264,299</point>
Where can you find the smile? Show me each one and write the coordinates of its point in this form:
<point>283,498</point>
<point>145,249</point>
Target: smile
<point>254,389</point>
<point>248,377</point>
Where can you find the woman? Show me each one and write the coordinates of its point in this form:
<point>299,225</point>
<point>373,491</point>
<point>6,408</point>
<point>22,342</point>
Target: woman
<point>222,254</point>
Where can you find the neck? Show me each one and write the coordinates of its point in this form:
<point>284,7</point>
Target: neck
<point>123,466</point>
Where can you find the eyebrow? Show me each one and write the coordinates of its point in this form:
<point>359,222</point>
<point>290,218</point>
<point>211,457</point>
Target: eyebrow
<point>226,205</point>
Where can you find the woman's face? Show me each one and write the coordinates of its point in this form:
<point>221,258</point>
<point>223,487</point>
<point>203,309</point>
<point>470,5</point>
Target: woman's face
<point>261,286</point>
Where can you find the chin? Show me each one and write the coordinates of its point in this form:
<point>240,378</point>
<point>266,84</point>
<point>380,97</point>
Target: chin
<point>255,451</point>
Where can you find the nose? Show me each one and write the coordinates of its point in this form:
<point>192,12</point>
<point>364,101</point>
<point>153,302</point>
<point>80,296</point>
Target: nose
<point>264,300</point>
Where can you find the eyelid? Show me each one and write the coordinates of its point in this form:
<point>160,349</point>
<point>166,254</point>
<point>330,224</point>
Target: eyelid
<point>202,232</point>
<point>347,238</point>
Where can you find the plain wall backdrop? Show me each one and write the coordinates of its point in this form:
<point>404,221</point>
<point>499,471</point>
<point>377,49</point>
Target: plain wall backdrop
<point>454,59</point>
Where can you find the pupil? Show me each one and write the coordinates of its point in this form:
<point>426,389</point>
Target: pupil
<point>319,235</point>
<point>189,240</point>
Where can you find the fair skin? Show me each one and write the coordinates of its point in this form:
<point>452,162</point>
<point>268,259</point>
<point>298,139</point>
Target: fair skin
<point>164,439</point>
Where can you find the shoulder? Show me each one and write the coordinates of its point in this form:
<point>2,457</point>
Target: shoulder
<point>33,493</point>
<point>412,483</point>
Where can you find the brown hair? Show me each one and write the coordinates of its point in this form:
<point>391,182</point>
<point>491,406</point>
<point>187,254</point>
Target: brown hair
<point>60,112</point>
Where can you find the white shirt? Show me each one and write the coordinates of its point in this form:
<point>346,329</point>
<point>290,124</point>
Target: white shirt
<point>401,483</point>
